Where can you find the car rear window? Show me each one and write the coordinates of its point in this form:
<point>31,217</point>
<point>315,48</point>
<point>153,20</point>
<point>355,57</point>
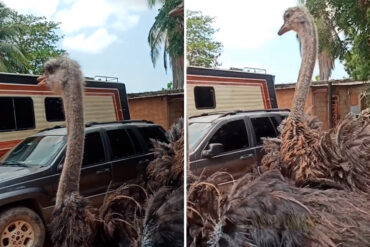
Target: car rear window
<point>232,135</point>
<point>263,128</point>
<point>120,143</point>
<point>94,150</point>
<point>152,132</point>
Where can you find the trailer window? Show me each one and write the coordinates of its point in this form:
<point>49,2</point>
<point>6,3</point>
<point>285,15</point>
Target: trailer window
<point>204,97</point>
<point>17,113</point>
<point>54,109</point>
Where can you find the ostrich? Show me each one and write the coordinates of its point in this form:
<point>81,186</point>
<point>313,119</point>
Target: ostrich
<point>130,216</point>
<point>72,219</point>
<point>338,158</point>
<point>270,210</point>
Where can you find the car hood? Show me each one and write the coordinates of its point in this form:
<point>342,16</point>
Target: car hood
<point>11,172</point>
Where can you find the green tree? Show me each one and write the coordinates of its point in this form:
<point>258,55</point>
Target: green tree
<point>202,49</point>
<point>12,59</point>
<point>167,34</point>
<point>352,19</point>
<point>37,39</point>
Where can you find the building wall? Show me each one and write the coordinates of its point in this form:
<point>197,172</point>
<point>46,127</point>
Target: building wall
<point>348,100</point>
<point>285,98</point>
<point>162,110</point>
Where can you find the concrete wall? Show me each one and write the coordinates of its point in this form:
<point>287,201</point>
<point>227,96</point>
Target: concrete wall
<point>346,98</point>
<point>162,110</point>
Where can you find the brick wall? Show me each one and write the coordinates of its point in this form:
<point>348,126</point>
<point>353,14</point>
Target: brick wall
<point>162,110</point>
<point>348,100</point>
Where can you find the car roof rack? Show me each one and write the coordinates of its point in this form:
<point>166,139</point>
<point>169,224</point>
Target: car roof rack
<point>114,122</point>
<point>228,113</point>
<point>252,111</point>
<point>90,124</point>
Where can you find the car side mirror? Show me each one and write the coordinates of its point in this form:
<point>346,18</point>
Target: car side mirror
<point>213,150</point>
<point>60,166</point>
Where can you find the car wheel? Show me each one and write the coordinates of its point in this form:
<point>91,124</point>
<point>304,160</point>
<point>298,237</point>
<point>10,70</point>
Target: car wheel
<point>21,227</point>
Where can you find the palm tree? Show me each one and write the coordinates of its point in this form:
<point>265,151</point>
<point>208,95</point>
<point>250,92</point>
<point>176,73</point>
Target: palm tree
<point>330,45</point>
<point>12,58</point>
<point>167,33</point>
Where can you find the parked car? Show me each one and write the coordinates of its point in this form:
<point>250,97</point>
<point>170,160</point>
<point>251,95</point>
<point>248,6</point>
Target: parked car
<point>115,152</point>
<point>230,141</point>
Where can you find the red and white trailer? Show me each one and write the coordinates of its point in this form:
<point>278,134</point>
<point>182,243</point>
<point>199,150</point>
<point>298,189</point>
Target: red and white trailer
<point>210,90</point>
<point>26,108</point>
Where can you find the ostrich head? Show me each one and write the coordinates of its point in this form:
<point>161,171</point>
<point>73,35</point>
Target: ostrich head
<point>58,73</point>
<point>296,19</point>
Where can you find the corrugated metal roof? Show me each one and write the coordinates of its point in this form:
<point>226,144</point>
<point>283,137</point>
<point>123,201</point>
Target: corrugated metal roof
<point>346,82</point>
<point>160,93</point>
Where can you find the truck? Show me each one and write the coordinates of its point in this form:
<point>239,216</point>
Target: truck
<point>26,107</point>
<point>216,90</point>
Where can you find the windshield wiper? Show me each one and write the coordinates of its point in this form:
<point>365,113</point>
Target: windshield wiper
<point>13,163</point>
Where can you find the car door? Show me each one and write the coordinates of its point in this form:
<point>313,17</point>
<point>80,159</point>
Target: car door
<point>125,159</point>
<point>96,169</point>
<point>263,127</point>
<point>237,157</point>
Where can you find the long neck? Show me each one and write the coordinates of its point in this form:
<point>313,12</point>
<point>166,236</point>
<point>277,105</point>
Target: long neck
<point>308,38</point>
<point>73,107</point>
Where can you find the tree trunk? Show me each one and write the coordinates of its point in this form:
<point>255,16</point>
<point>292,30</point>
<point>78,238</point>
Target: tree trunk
<point>178,72</point>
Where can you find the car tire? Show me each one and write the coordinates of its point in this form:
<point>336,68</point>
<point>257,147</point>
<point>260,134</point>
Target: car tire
<point>21,226</point>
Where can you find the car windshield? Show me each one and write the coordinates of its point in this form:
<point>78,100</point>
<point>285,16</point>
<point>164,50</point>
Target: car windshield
<point>196,133</point>
<point>34,151</point>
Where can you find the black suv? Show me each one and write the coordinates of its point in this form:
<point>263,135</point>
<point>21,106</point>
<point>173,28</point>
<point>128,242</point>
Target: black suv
<point>230,141</point>
<point>114,153</point>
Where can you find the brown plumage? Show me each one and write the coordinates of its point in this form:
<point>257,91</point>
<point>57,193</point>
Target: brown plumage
<point>151,214</point>
<point>167,169</point>
<point>269,210</point>
<point>338,158</point>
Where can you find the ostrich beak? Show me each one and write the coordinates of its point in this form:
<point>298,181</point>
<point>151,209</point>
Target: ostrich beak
<point>283,29</point>
<point>41,80</point>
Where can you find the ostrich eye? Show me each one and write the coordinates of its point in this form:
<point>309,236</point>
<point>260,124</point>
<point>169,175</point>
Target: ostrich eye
<point>49,69</point>
<point>287,15</point>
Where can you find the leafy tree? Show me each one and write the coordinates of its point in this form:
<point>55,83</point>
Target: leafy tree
<point>352,19</point>
<point>11,57</point>
<point>202,49</point>
<point>37,39</point>
<point>26,41</point>
<point>167,33</point>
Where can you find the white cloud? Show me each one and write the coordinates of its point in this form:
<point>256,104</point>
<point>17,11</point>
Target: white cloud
<point>37,7</point>
<point>244,24</point>
<point>88,26</point>
<point>87,14</point>
<point>95,43</point>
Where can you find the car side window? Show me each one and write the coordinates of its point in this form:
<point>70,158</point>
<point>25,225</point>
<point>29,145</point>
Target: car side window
<point>152,132</point>
<point>138,147</point>
<point>232,136</point>
<point>94,150</point>
<point>120,143</point>
<point>263,128</point>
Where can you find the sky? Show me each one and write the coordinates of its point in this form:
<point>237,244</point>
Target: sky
<point>248,30</point>
<point>106,37</point>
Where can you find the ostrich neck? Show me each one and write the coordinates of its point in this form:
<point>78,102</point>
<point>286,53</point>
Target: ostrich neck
<point>309,43</point>
<point>73,105</point>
